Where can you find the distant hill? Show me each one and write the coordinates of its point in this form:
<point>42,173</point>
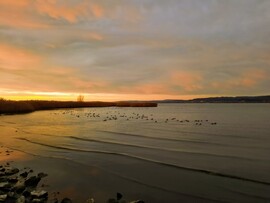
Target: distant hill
<point>239,99</point>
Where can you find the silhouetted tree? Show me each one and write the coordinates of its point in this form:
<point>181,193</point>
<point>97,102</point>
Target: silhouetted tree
<point>80,98</point>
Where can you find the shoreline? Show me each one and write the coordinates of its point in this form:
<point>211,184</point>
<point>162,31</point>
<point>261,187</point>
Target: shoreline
<point>23,178</point>
<point>9,107</point>
<point>80,183</point>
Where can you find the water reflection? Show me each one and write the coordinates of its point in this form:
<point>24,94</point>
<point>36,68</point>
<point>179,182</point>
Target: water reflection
<point>158,150</point>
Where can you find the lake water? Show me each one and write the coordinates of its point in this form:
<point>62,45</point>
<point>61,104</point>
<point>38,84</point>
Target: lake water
<point>172,153</point>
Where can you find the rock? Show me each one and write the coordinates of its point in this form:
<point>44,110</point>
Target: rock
<point>26,193</point>
<point>5,185</point>
<point>3,198</point>
<point>21,199</point>
<point>11,171</point>
<point>39,194</point>
<point>32,181</point>
<point>19,187</point>
<point>3,179</point>
<point>91,200</point>
<point>11,195</point>
<point>66,200</point>
<point>54,200</point>
<point>119,196</point>
<point>24,174</point>
<point>13,180</point>
<point>36,200</point>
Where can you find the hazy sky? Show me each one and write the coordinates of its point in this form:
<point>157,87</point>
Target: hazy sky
<point>134,49</point>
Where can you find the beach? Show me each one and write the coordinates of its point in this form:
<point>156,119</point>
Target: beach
<point>172,153</point>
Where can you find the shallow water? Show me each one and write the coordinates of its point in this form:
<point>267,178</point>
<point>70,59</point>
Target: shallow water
<point>203,152</point>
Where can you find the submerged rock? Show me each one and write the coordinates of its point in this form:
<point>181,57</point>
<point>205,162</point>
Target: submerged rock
<point>66,200</point>
<point>111,200</point>
<point>119,196</point>
<point>42,175</point>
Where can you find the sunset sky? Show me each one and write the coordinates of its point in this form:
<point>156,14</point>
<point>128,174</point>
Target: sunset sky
<point>133,49</point>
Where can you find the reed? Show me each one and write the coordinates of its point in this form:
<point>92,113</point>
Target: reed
<point>16,107</point>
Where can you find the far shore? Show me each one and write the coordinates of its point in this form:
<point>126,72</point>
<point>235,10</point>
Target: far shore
<point>17,107</point>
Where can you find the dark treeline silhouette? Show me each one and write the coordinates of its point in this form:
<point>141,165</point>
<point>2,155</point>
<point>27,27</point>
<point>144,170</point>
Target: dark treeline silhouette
<point>14,107</point>
<point>239,99</point>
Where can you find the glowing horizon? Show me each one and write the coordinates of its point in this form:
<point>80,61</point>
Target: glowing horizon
<point>133,50</point>
<point>61,96</point>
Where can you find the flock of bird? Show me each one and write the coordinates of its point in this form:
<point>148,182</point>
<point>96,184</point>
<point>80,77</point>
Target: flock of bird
<point>116,115</point>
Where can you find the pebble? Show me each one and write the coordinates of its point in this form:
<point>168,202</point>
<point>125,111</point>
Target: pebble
<point>21,199</point>
<point>39,194</point>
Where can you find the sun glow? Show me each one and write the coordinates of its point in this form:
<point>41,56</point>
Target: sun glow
<point>72,96</point>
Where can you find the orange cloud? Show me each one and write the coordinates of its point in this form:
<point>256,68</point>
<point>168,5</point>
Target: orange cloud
<point>189,81</point>
<point>89,86</point>
<point>249,79</point>
<point>152,88</point>
<point>19,14</point>
<point>69,12</point>
<point>52,9</point>
<point>97,10</point>
<point>89,35</point>
<point>13,58</point>
<point>21,3</point>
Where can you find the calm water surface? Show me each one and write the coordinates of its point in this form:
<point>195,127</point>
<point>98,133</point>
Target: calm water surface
<point>175,152</point>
